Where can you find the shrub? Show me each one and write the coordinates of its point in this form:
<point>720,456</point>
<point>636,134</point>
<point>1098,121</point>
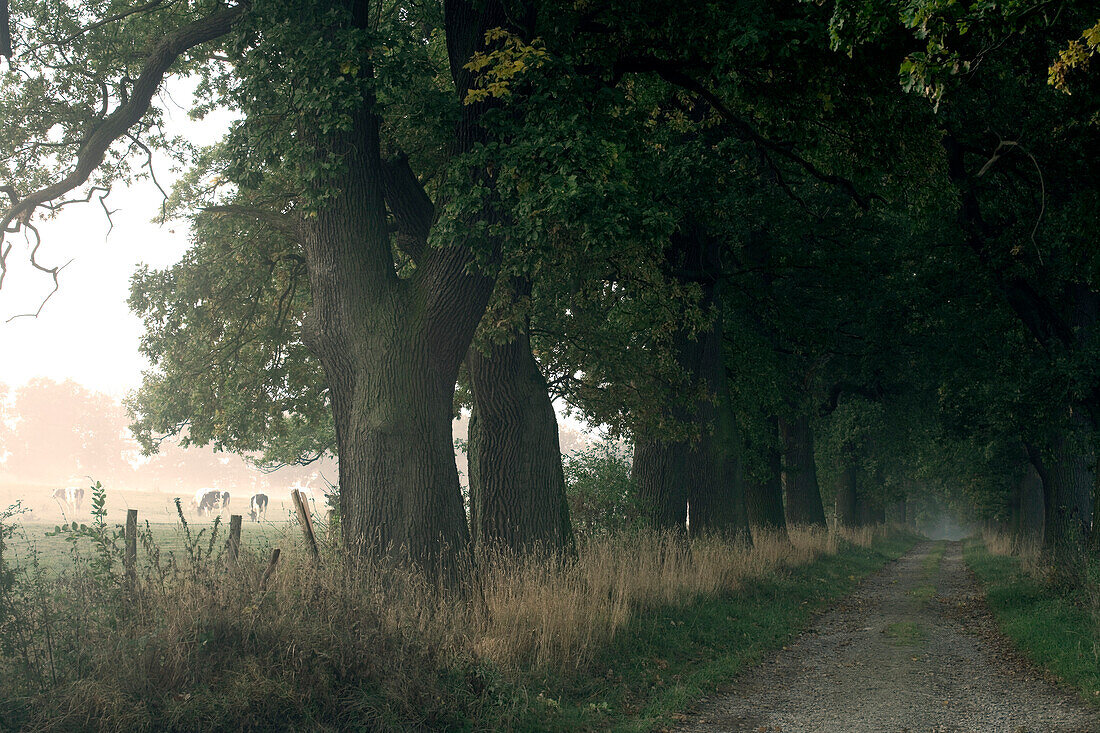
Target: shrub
<point>597,480</point>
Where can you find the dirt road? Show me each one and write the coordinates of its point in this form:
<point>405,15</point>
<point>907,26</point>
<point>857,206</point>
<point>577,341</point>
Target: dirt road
<point>913,650</point>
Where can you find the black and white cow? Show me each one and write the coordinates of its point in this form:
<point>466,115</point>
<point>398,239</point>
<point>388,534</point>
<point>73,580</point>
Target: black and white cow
<point>73,496</point>
<point>207,500</point>
<point>257,507</point>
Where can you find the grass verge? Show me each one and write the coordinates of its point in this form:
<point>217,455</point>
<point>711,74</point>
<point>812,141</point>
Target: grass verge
<point>624,636</point>
<point>1053,629</point>
<point>667,659</point>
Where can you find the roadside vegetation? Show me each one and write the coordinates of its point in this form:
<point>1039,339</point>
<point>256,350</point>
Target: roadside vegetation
<point>1056,625</point>
<point>629,632</point>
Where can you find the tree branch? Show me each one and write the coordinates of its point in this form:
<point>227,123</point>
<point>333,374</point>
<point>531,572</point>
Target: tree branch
<point>673,73</point>
<point>410,205</point>
<point>115,125</point>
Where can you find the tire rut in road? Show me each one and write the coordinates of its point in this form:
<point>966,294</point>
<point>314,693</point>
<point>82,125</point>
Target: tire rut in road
<point>912,650</point>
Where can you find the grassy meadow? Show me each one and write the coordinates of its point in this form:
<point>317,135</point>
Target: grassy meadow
<point>39,516</point>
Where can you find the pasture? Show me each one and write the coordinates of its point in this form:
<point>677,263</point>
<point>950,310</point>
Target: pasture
<point>36,534</point>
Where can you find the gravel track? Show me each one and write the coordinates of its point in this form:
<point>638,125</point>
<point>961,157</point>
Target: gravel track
<point>912,650</point>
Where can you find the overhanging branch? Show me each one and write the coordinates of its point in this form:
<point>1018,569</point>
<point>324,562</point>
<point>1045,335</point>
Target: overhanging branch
<point>674,74</point>
<point>117,123</point>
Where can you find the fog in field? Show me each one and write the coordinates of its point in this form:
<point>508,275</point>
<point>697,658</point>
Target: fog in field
<point>945,525</point>
<point>60,434</point>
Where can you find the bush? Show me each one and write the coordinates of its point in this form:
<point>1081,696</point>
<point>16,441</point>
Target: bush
<point>597,480</point>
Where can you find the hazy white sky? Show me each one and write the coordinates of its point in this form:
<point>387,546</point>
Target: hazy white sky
<point>86,332</point>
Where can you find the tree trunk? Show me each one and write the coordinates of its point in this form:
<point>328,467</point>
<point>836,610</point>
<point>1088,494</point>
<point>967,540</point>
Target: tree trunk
<point>704,472</point>
<point>1070,485</point>
<point>764,499</point>
<point>519,502</point>
<point>898,513</point>
<point>799,476</point>
<point>847,501</point>
<point>1067,475</point>
<point>657,475</point>
<point>715,494</point>
<point>1030,510</point>
<point>390,346</point>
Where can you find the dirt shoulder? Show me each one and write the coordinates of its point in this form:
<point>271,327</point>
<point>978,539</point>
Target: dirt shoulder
<point>913,649</point>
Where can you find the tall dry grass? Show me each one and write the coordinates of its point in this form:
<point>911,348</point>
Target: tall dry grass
<point>376,646</point>
<point>550,615</point>
<point>1029,550</point>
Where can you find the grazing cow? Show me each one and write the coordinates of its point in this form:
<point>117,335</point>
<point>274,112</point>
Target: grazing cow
<point>206,500</point>
<point>73,496</point>
<point>257,507</point>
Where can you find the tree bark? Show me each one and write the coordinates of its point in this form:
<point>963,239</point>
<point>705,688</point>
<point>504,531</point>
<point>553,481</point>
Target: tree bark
<point>764,499</point>
<point>1068,476</point>
<point>715,494</point>
<point>519,502</point>
<point>704,472</point>
<point>1030,511</point>
<point>657,475</point>
<point>799,475</point>
<point>847,495</point>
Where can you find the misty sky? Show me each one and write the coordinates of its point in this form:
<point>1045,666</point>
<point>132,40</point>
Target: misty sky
<point>86,332</point>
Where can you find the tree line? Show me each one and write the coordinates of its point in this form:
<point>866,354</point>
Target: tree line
<point>58,434</point>
<point>806,257</point>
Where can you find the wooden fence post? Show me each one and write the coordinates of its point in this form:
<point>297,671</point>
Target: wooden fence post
<point>234,537</point>
<point>270,568</point>
<point>302,508</point>
<point>129,556</point>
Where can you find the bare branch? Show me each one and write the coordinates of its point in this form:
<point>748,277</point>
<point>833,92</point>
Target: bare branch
<point>51,271</point>
<point>126,115</point>
<point>152,175</point>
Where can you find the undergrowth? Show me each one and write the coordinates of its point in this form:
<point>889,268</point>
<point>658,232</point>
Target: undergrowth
<point>630,630</point>
<point>1056,626</point>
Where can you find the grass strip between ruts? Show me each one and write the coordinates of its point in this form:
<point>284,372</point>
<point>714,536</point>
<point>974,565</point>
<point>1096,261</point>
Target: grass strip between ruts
<point>666,660</point>
<point>1052,629</point>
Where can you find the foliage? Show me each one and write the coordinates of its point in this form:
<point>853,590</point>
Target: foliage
<point>597,481</point>
<point>1075,56</point>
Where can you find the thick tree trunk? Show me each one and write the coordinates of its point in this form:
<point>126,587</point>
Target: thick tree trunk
<point>519,502</point>
<point>896,511</point>
<point>1029,511</point>
<point>657,475</point>
<point>1070,474</point>
<point>847,495</point>
<point>391,347</point>
<point>715,494</point>
<point>764,498</point>
<point>800,473</point>
<point>1068,477</point>
<point>705,472</point>
<point>716,498</point>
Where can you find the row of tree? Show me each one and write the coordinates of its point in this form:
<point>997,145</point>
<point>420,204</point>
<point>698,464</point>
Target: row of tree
<point>725,232</point>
